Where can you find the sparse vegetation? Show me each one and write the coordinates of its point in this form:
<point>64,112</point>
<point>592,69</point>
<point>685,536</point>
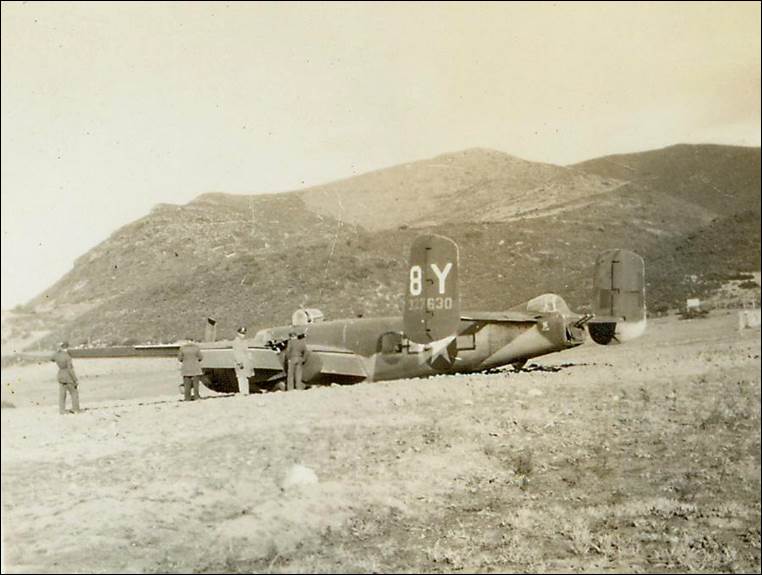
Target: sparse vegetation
<point>254,259</point>
<point>638,458</point>
<point>523,463</point>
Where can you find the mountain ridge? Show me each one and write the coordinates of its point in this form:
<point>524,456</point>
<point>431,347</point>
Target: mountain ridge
<point>342,246</point>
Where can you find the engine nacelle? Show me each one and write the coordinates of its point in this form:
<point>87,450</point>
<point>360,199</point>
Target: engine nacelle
<point>606,333</point>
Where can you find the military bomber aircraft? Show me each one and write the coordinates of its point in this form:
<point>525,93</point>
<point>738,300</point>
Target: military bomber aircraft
<point>434,336</point>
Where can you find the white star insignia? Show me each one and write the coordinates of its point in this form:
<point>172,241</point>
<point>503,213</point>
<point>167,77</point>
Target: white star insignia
<point>438,349</point>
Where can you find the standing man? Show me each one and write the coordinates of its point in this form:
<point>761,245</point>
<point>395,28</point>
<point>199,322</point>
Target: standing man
<point>190,357</point>
<point>244,367</point>
<point>296,351</point>
<point>67,379</point>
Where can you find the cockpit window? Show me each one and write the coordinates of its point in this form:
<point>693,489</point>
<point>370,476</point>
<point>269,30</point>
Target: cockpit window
<point>390,342</point>
<point>548,302</point>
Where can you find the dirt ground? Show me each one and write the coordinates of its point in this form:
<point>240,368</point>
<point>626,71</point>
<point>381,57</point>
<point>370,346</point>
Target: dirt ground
<point>643,457</point>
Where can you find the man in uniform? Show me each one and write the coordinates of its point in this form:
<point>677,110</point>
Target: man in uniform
<point>67,379</point>
<point>296,351</point>
<point>243,364</point>
<point>190,357</point>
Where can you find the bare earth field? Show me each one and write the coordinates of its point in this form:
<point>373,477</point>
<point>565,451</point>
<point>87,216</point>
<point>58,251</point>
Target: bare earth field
<point>642,457</point>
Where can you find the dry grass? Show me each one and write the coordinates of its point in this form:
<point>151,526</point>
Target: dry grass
<point>637,458</point>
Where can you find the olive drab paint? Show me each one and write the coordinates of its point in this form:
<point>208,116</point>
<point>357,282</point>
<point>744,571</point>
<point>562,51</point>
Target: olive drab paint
<point>433,336</point>
<point>432,299</point>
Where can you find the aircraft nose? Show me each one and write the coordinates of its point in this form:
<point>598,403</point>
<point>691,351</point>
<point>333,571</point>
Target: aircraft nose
<point>562,330</point>
<point>575,335</point>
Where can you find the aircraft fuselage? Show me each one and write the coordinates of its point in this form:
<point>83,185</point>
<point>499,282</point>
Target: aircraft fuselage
<point>386,353</point>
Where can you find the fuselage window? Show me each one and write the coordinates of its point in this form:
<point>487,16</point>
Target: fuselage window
<point>467,341</point>
<point>391,342</point>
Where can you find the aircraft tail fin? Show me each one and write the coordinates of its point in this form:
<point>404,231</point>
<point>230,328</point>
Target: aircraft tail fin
<point>432,299</point>
<point>619,297</point>
<point>210,329</point>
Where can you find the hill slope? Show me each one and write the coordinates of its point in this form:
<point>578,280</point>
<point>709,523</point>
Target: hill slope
<point>471,185</point>
<point>523,228</point>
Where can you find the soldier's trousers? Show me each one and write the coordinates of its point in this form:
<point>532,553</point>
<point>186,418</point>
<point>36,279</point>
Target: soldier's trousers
<point>294,376</point>
<point>72,389</point>
<point>243,380</point>
<point>188,381</point>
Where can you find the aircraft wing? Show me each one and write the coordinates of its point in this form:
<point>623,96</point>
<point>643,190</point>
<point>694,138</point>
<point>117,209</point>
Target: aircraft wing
<point>106,352</point>
<point>503,317</point>
<point>323,363</point>
<point>338,362</point>
<point>326,360</point>
<point>606,319</point>
<point>169,350</point>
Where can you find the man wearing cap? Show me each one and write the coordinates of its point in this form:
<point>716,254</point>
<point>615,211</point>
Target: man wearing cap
<point>190,357</point>
<point>296,351</point>
<point>244,366</point>
<point>67,379</point>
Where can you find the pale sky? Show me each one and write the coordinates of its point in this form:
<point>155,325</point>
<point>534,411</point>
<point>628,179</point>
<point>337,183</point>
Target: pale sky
<point>109,109</point>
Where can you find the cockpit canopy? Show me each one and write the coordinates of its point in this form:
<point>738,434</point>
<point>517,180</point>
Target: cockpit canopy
<point>548,302</point>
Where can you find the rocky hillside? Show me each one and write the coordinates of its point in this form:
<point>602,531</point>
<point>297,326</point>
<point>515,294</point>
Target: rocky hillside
<point>523,228</point>
<point>473,185</point>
